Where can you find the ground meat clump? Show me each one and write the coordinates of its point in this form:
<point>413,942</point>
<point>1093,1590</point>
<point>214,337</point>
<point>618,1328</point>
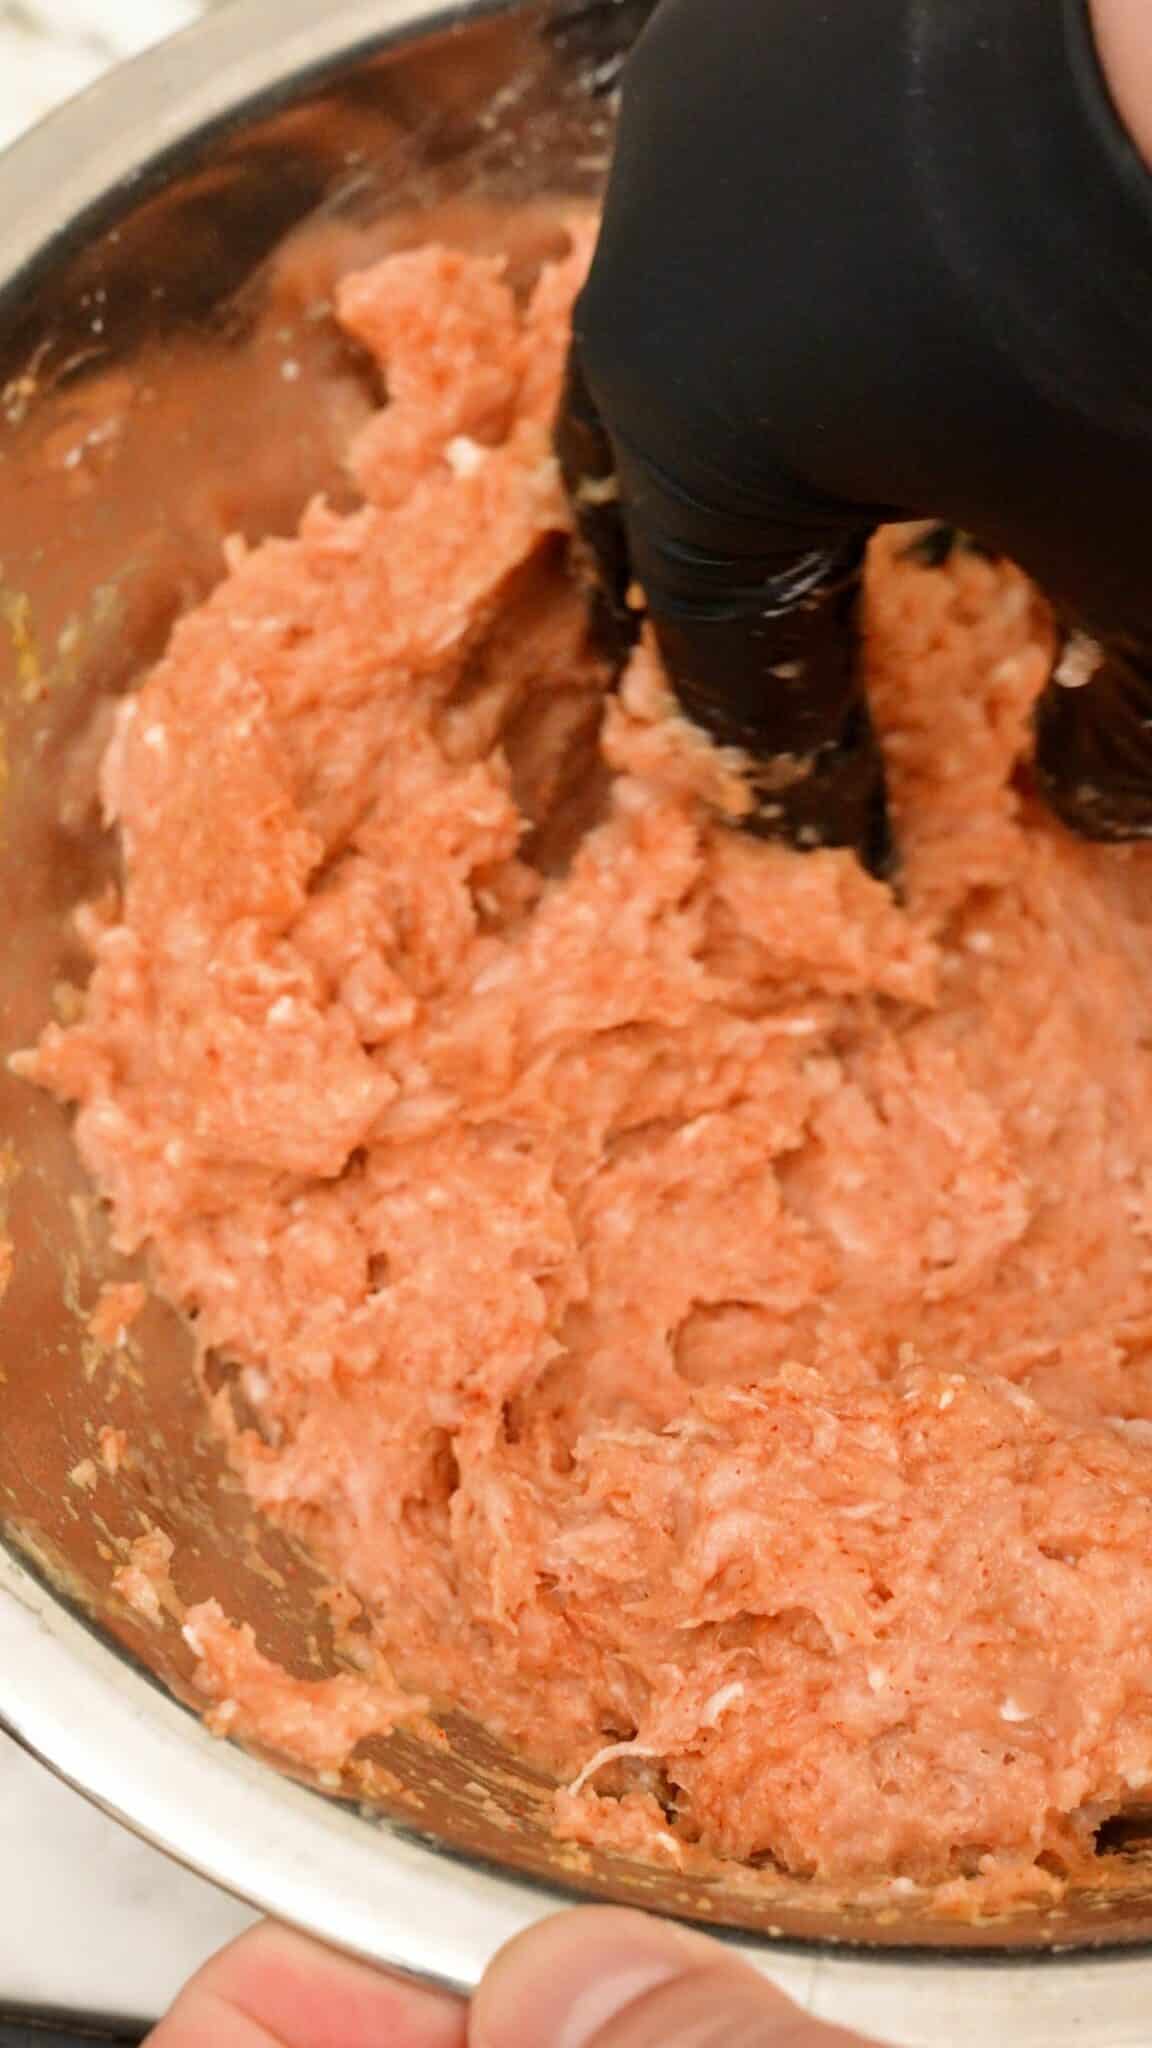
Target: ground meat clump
<point>698,1300</point>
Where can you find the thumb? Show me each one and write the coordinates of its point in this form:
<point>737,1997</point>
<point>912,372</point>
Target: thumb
<point>601,1978</point>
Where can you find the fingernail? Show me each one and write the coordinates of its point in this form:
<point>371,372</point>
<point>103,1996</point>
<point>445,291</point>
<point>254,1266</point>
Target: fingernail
<point>560,1985</point>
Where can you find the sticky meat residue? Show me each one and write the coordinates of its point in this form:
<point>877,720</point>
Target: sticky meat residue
<point>317,1722</point>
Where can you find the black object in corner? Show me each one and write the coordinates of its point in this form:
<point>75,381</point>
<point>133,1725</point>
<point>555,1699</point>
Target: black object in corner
<point>34,2029</point>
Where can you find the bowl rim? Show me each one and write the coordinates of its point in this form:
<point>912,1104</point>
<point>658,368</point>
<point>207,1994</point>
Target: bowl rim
<point>114,1733</point>
<point>122,134</point>
<point>81,1705</point>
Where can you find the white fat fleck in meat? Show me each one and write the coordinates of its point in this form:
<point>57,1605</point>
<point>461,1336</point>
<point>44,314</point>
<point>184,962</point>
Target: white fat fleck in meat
<point>613,1752</point>
<point>1079,662</point>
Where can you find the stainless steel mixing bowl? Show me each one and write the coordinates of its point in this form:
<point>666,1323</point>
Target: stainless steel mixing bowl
<point>168,376</point>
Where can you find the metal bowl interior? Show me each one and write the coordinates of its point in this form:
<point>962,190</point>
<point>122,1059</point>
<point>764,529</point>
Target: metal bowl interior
<point>170,373</point>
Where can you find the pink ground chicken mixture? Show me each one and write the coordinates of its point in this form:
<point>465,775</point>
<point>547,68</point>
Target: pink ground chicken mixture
<point>699,1303</point>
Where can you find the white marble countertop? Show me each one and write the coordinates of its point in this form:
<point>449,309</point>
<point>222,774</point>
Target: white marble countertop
<point>51,48</point>
<point>90,1919</point>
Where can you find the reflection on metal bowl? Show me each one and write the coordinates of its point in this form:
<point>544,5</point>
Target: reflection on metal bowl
<point>148,310</point>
